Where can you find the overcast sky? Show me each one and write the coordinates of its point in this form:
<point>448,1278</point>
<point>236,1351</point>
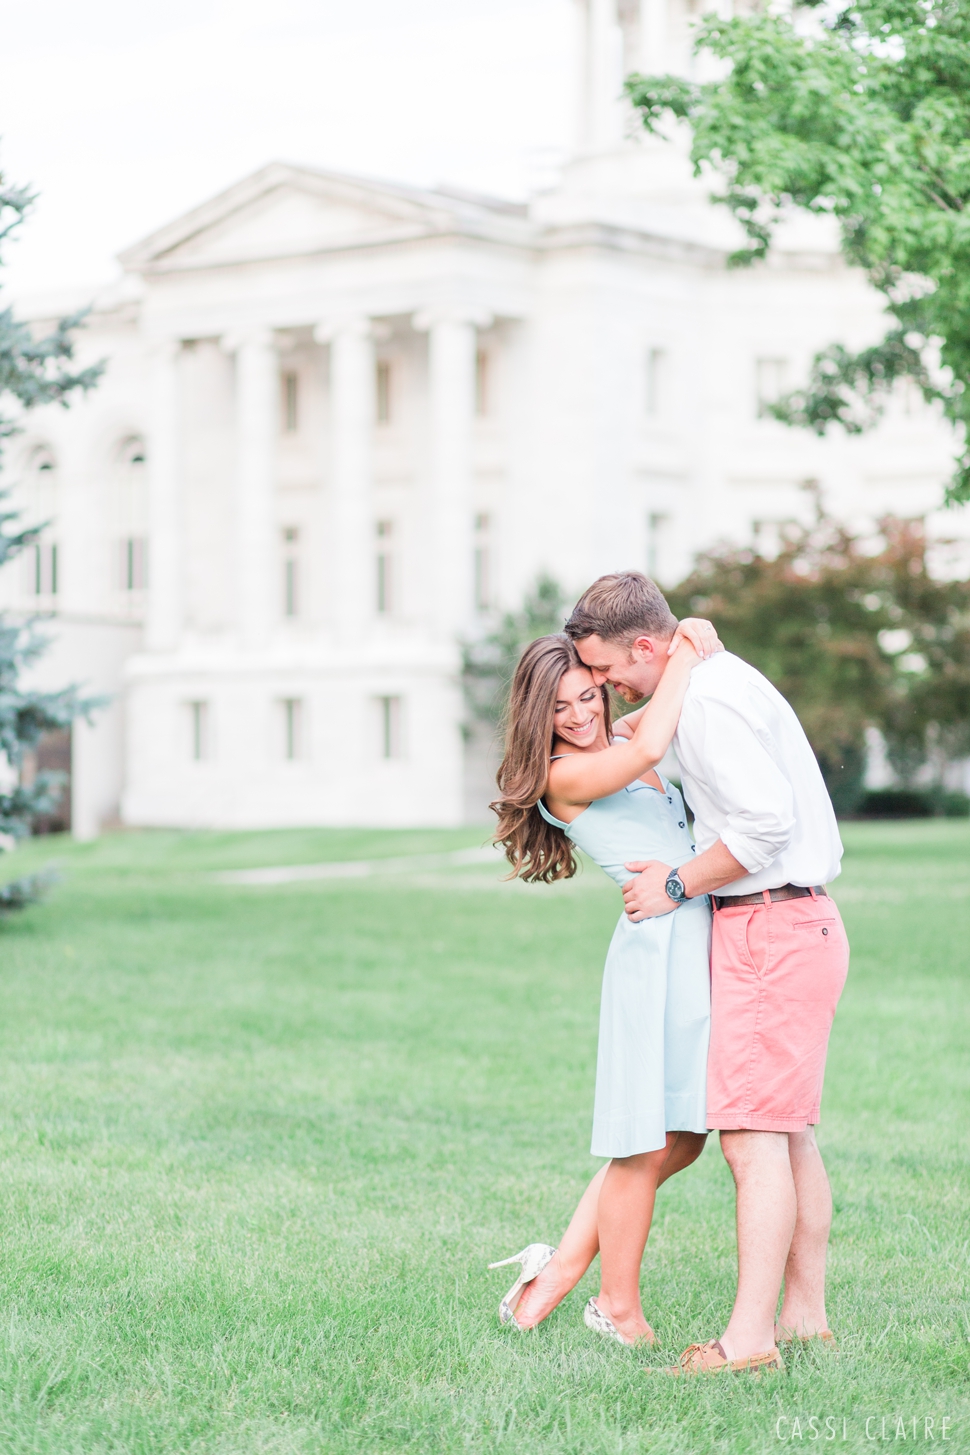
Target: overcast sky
<point>124,113</point>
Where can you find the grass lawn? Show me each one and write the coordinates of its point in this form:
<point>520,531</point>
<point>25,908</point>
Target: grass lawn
<point>258,1144</point>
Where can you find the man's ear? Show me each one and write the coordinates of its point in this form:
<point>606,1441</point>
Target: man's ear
<point>644,647</point>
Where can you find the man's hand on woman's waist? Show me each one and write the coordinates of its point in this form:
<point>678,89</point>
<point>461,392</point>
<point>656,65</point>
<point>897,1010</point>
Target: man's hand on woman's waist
<point>646,897</point>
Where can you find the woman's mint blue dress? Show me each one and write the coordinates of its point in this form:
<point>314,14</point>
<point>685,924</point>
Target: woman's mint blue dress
<point>651,1067</point>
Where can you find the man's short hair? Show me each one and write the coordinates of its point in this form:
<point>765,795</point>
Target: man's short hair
<point>620,608</point>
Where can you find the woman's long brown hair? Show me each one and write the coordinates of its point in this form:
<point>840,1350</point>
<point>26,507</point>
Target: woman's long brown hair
<point>537,850</point>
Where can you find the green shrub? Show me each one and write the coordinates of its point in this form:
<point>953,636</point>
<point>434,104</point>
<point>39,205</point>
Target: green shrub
<point>913,803</point>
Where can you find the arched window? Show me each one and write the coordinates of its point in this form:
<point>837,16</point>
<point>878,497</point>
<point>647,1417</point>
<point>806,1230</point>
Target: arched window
<point>130,517</point>
<point>37,497</point>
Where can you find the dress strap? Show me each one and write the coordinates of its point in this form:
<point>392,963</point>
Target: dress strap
<point>542,807</point>
<point>547,815</point>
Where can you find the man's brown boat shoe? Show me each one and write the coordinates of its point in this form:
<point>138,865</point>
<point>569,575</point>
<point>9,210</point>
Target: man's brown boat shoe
<point>710,1358</point>
<point>824,1336</point>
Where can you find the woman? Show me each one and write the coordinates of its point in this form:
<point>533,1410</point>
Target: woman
<point>564,782</point>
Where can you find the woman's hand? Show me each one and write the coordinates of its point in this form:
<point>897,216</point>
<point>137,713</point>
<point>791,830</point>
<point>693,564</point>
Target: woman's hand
<point>701,635</point>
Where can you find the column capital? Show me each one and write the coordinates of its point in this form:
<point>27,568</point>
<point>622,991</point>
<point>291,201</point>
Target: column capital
<point>356,325</point>
<point>257,337</point>
<point>469,313</point>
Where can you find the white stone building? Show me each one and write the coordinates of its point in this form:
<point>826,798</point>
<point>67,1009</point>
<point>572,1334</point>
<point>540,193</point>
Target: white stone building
<point>344,420</point>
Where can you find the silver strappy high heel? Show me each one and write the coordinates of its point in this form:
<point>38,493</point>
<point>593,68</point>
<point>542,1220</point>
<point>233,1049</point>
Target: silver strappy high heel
<point>594,1318</point>
<point>533,1259</point>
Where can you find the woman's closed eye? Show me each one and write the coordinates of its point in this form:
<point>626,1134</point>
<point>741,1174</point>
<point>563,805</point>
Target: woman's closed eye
<point>589,696</point>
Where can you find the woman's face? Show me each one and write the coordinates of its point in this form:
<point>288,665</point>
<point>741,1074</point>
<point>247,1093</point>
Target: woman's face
<point>579,714</point>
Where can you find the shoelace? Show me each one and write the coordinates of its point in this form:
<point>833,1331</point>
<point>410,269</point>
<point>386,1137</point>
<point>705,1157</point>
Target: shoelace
<point>687,1359</point>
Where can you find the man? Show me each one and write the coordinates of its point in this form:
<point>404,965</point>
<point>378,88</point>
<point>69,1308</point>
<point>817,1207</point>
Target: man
<point>767,843</point>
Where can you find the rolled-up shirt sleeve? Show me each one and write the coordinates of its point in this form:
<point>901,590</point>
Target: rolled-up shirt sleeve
<point>753,793</point>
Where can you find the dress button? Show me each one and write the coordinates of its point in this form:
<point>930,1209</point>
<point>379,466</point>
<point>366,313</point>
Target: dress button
<point>825,932</point>
<point>681,825</point>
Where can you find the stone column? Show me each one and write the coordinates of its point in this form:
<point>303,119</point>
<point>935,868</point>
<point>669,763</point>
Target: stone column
<point>165,605</point>
<point>452,342</point>
<point>600,76</point>
<point>653,37</point>
<point>352,409</point>
<point>257,426</point>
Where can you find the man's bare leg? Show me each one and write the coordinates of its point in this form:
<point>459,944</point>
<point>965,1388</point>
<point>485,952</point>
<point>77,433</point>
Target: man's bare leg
<point>803,1308</point>
<point>766,1212</point>
<point>580,1242</point>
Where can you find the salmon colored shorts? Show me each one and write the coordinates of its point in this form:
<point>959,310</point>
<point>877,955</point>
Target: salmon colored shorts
<point>777,971</point>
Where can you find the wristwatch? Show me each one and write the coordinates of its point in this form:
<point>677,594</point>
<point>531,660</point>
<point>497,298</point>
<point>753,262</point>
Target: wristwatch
<point>675,887</point>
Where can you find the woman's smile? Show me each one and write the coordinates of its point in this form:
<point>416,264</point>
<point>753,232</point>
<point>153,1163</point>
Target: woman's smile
<point>580,730</point>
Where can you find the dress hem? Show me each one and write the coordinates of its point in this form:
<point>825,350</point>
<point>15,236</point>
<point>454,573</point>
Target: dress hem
<point>634,1149</point>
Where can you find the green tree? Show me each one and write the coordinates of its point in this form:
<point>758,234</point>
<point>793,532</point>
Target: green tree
<point>855,633</point>
<point>489,664</point>
<point>33,371</point>
<point>864,117</point>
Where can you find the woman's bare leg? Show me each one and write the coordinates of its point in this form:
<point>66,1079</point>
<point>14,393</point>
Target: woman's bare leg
<point>625,1212</point>
<point>577,1249</point>
<point>581,1240</point>
<point>686,1149</point>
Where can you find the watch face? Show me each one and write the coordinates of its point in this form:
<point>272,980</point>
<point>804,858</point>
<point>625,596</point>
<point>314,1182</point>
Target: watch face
<point>675,887</point>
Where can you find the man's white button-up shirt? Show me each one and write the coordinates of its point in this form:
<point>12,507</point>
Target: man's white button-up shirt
<point>752,780</point>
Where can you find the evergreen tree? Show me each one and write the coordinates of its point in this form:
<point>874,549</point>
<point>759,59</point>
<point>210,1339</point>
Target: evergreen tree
<point>33,372</point>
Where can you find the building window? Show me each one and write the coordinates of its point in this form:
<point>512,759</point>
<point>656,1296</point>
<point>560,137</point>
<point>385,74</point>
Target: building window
<point>40,569</point>
<point>132,452</point>
<point>654,383</point>
<point>129,524</point>
<point>482,399</point>
<point>133,563</point>
<point>656,542</point>
<point>389,721</point>
<point>292,729</point>
<point>769,537</point>
<point>40,564</point>
<point>291,402</point>
<point>910,394</point>
<point>198,731</point>
<point>483,563</point>
<point>51,754</point>
<point>383,392</point>
<point>41,461</point>
<point>385,568</point>
<point>770,379</point>
<point>291,572</point>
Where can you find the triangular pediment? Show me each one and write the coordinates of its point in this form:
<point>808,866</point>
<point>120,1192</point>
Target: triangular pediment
<point>285,211</point>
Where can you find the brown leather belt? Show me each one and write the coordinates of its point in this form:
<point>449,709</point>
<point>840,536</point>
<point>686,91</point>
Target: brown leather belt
<point>787,891</point>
